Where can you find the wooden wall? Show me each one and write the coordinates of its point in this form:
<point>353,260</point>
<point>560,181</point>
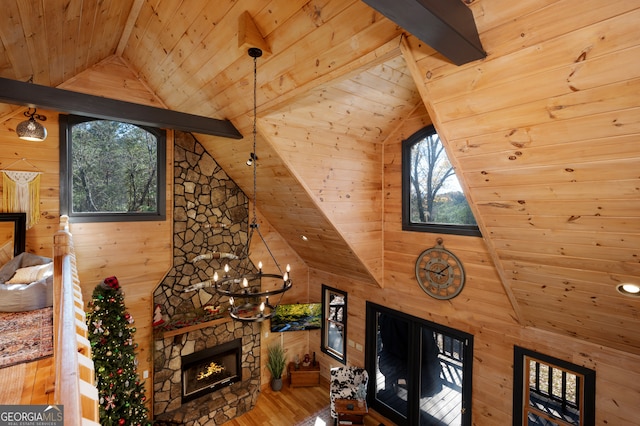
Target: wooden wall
<point>296,343</point>
<point>544,135</point>
<point>137,253</point>
<point>522,85</point>
<point>16,154</point>
<point>482,309</point>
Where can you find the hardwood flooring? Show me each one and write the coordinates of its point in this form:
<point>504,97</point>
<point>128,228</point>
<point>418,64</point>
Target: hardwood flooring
<point>295,406</point>
<point>37,384</point>
<point>287,407</point>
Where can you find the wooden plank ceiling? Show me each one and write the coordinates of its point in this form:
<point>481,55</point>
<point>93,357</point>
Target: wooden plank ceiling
<point>336,81</point>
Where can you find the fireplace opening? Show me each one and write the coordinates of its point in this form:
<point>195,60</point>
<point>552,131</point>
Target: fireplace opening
<point>211,369</point>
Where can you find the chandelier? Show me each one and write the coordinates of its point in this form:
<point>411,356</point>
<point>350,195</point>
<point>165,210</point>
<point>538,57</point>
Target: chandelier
<point>242,284</point>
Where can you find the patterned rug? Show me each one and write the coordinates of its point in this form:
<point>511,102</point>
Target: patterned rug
<point>25,336</point>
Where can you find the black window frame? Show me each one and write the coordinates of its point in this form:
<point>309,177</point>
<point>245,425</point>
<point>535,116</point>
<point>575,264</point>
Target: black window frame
<point>587,397</point>
<point>416,326</point>
<point>326,306</point>
<point>407,224</point>
<point>66,123</point>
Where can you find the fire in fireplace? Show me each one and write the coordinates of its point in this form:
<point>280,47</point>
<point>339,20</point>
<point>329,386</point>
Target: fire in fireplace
<point>211,369</point>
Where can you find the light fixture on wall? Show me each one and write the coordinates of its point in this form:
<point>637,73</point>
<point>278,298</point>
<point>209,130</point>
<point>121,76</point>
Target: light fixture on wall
<point>242,285</point>
<point>31,130</point>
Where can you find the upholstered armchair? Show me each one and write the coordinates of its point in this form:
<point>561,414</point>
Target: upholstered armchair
<point>347,383</point>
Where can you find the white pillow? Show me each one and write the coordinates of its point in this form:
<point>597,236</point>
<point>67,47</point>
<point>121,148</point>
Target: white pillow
<point>31,274</point>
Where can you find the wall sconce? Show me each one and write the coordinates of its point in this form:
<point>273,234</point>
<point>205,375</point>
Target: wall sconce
<point>31,130</point>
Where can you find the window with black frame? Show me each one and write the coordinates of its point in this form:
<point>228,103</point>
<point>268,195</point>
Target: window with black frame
<point>111,170</point>
<point>422,370</point>
<point>334,323</point>
<point>432,198</point>
<point>550,391</point>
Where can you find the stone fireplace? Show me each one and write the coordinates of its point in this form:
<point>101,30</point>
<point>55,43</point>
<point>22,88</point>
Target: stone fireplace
<point>210,215</point>
<point>175,354</point>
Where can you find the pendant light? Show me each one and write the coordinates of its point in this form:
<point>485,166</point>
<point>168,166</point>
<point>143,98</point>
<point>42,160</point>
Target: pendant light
<point>31,130</point>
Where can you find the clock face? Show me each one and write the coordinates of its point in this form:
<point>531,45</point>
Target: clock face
<point>440,273</point>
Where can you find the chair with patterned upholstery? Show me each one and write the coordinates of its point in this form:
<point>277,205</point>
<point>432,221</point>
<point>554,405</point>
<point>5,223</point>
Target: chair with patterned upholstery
<point>347,383</point>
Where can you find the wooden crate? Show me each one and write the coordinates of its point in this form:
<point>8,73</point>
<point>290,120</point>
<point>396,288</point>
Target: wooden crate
<point>304,376</point>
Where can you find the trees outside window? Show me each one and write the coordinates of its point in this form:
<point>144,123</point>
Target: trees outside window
<point>334,323</point>
<point>550,391</point>
<point>432,199</point>
<point>111,170</point>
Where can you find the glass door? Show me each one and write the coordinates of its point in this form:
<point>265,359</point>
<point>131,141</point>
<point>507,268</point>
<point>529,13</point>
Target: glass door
<point>422,370</point>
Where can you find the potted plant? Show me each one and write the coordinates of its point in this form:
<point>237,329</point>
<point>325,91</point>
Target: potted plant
<point>276,363</point>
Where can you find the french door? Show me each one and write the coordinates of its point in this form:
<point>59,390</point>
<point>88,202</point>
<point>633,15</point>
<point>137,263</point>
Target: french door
<point>421,370</point>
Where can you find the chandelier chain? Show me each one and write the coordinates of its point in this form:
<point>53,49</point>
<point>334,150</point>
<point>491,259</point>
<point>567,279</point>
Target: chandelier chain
<point>255,133</point>
<point>238,285</point>
<point>254,222</point>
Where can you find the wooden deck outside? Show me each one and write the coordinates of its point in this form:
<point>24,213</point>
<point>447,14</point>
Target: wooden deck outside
<point>441,409</point>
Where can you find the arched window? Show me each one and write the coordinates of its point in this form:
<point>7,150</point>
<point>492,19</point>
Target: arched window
<point>111,171</point>
<point>432,198</point>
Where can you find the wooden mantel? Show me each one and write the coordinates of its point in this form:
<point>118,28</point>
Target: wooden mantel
<point>183,330</point>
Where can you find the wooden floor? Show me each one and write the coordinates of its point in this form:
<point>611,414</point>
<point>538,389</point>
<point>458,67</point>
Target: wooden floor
<point>37,384</point>
<point>294,406</point>
<point>287,407</point>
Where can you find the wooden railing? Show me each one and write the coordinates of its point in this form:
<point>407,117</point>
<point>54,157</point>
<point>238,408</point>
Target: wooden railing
<point>75,386</point>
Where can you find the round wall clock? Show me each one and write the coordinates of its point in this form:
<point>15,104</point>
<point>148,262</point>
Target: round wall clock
<point>439,272</point>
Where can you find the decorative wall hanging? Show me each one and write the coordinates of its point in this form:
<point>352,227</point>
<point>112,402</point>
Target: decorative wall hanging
<point>21,192</point>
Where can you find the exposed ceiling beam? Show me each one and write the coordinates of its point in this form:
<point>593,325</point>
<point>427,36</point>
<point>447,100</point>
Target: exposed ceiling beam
<point>128,27</point>
<point>29,94</point>
<point>445,25</point>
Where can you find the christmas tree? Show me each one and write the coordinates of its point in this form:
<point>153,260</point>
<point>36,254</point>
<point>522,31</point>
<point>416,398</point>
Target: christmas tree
<point>111,335</point>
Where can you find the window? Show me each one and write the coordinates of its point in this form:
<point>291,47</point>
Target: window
<point>111,171</point>
<point>432,199</point>
<point>334,323</point>
<point>549,391</point>
<point>422,370</point>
